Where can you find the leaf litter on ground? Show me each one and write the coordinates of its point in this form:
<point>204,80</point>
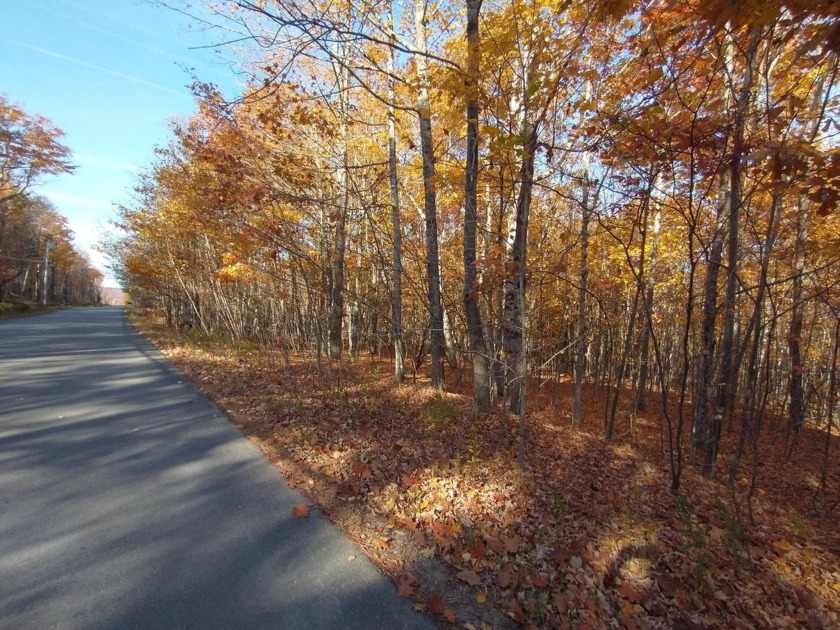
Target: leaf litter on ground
<point>587,535</point>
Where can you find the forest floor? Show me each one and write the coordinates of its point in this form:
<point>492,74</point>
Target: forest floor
<point>586,535</point>
<point>24,308</point>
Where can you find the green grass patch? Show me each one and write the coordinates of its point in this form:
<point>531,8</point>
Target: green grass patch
<point>441,412</point>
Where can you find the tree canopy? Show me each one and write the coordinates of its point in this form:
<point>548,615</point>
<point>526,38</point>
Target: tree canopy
<point>38,259</point>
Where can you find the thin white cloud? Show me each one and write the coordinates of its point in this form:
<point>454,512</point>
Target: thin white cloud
<point>109,16</point>
<point>92,160</point>
<point>110,33</point>
<point>77,201</point>
<point>122,75</point>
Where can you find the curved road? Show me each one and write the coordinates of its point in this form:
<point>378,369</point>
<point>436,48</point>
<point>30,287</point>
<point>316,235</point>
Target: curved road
<point>128,500</point>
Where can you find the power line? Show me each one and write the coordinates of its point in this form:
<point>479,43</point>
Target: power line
<point>31,260</point>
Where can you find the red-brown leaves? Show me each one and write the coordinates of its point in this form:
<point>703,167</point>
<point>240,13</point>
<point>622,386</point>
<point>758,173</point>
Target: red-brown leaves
<point>560,554</point>
<point>301,511</point>
<point>437,607</point>
<point>470,577</point>
<point>512,543</point>
<point>407,585</point>
<point>478,550</point>
<point>505,577</point>
<point>589,532</point>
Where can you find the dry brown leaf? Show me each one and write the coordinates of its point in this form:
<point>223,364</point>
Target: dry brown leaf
<point>406,587</point>
<point>410,482</point>
<point>630,592</point>
<point>515,610</point>
<point>360,469</point>
<point>301,511</point>
<point>627,622</point>
<point>470,577</point>
<point>436,604</point>
<point>512,543</point>
<point>504,578</point>
<point>667,585</point>
<point>560,554</point>
<point>478,550</point>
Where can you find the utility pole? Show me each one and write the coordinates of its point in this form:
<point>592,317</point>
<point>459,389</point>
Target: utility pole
<point>50,245</point>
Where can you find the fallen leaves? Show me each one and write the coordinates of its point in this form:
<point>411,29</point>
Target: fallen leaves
<point>512,544</point>
<point>505,577</point>
<point>407,585</point>
<point>630,592</point>
<point>478,550</point>
<point>565,539</point>
<point>470,577</point>
<point>301,511</point>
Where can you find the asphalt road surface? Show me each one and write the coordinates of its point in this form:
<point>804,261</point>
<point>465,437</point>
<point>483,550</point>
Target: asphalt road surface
<point>128,500</point>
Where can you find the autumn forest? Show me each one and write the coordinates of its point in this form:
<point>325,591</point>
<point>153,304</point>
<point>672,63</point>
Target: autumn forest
<point>582,257</point>
<point>39,262</point>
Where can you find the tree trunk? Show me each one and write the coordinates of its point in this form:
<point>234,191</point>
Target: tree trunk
<point>336,314</point>
<point>424,114</point>
<point>754,329</point>
<point>356,312</point>
<point>832,396</point>
<point>396,307</point>
<point>704,391</point>
<point>641,403</point>
<point>480,367</point>
<point>728,371</point>
<point>580,343</point>
<point>795,389</point>
<point>514,302</point>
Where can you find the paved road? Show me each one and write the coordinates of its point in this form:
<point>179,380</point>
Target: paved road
<point>127,500</point>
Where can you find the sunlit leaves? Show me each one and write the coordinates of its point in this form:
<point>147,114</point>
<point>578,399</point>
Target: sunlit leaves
<point>29,149</point>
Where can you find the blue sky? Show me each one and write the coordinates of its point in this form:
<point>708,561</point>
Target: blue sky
<point>111,74</point>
